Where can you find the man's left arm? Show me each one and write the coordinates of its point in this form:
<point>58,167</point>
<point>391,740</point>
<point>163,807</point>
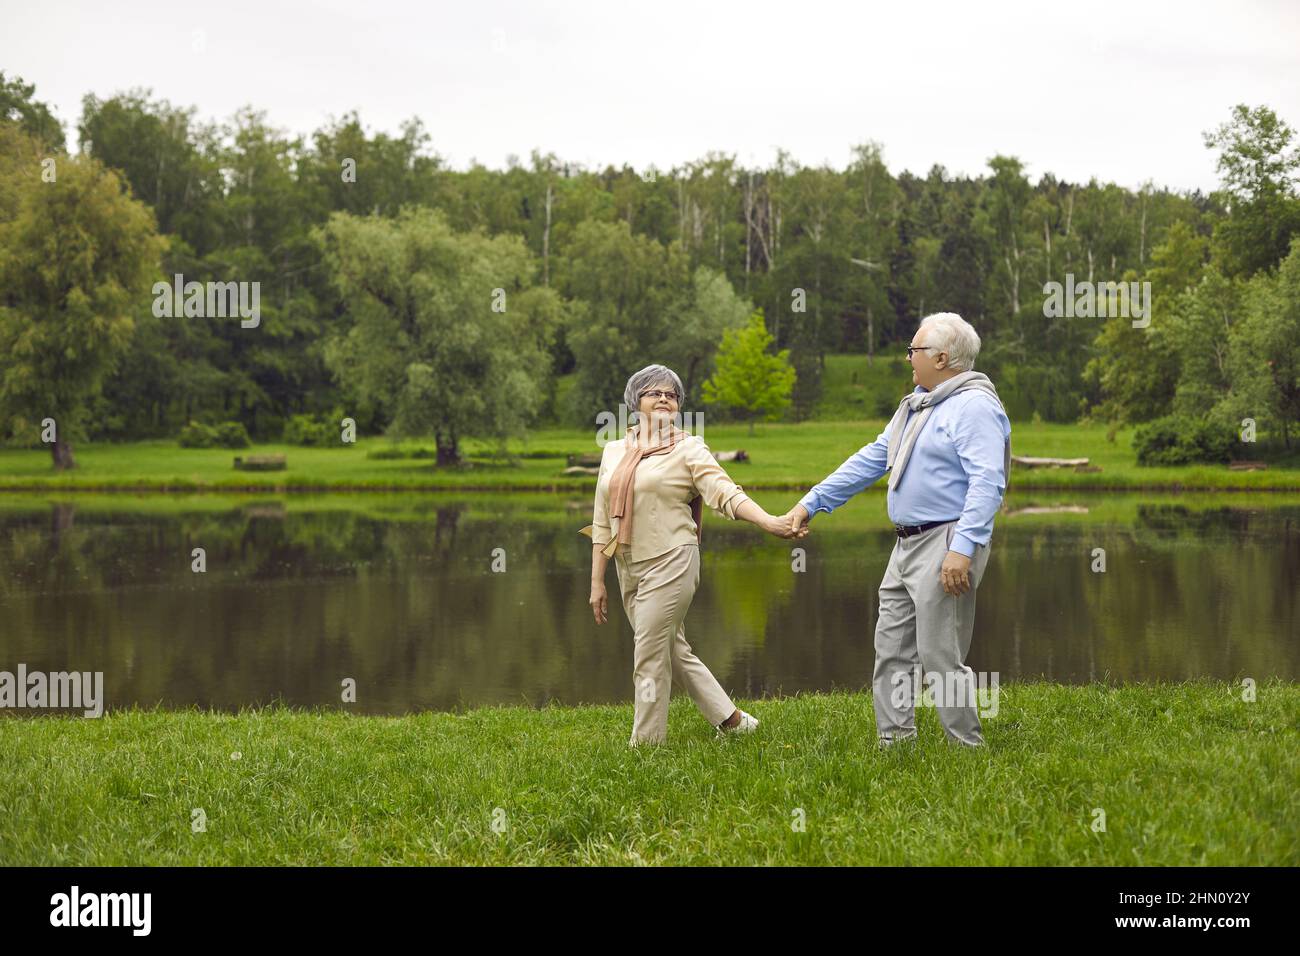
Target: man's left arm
<point>979,437</point>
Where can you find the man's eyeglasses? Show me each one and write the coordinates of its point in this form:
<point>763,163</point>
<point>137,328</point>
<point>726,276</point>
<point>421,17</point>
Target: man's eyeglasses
<point>655,393</point>
<point>917,348</point>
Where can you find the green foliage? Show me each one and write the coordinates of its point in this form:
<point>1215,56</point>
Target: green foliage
<point>632,290</point>
<point>443,329</point>
<point>1263,360</point>
<point>624,269</point>
<point>76,259</point>
<point>398,453</point>
<point>1181,440</point>
<point>1134,371</point>
<point>855,389</point>
<point>222,435</point>
<point>318,431</point>
<point>35,118</point>
<point>1259,164</point>
<point>749,379</point>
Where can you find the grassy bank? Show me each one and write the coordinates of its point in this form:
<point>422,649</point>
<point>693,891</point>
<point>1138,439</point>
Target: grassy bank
<point>571,510</point>
<point>1186,774</point>
<point>784,457</point>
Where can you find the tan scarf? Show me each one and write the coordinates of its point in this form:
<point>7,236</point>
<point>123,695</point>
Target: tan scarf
<point>622,489</point>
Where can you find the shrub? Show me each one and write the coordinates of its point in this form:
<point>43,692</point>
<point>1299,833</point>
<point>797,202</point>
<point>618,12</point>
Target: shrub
<point>224,435</point>
<point>232,435</point>
<point>1179,440</point>
<point>393,452</point>
<point>313,430</point>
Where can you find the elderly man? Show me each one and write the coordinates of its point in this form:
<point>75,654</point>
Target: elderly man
<point>948,453</point>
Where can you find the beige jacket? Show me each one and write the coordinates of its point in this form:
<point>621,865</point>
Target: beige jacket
<point>665,485</point>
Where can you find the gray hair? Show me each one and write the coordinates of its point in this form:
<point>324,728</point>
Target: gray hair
<point>954,335</point>
<point>649,377</point>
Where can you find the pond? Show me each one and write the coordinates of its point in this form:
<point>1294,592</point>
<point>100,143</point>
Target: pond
<point>400,596</point>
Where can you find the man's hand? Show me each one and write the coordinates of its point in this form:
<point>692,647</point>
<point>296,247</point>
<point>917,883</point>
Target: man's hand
<point>955,573</point>
<point>798,520</point>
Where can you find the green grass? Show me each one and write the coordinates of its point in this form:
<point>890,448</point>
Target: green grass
<point>1187,774</point>
<point>785,457</point>
<point>854,389</point>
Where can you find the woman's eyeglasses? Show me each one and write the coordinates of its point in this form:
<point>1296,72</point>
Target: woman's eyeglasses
<point>655,393</point>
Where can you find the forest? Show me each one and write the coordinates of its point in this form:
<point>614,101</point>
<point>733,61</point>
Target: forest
<point>421,299</point>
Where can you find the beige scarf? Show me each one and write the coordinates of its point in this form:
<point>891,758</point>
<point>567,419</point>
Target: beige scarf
<point>622,490</point>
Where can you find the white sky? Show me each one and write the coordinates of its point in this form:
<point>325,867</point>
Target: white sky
<point>1117,90</point>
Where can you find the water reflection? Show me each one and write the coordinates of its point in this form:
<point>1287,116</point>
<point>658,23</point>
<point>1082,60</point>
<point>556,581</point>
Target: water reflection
<point>296,598</point>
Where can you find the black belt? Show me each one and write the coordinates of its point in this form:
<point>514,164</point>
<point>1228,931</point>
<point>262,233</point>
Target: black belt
<point>906,531</point>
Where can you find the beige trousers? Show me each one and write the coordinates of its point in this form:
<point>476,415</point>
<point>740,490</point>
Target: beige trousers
<point>657,593</point>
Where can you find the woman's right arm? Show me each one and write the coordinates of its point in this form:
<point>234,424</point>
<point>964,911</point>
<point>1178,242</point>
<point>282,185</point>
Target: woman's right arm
<point>601,533</point>
<point>599,603</point>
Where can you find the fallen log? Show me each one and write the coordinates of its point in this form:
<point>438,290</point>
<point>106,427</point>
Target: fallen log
<point>1028,462</point>
<point>1047,510</point>
<point>260,463</point>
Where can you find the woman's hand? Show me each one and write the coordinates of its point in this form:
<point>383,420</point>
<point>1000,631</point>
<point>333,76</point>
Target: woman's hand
<point>794,524</point>
<point>599,604</point>
<point>779,526</point>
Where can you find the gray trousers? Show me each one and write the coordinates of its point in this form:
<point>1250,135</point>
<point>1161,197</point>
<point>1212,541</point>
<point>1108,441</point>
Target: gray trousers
<point>923,630</point>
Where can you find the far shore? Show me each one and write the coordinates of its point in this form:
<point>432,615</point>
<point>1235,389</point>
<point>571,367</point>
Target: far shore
<point>790,458</point>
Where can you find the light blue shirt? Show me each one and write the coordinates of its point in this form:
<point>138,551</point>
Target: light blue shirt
<point>957,470</point>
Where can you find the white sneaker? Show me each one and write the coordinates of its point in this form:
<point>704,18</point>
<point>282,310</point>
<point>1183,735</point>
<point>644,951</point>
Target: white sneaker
<point>748,724</point>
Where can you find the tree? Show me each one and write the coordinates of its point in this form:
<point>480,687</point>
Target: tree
<point>1264,353</point>
<point>873,239</point>
<point>169,159</point>
<point>35,118</point>
<point>1004,220</point>
<point>1258,164</point>
<point>1135,370</point>
<point>748,378</point>
<point>444,330</point>
<point>714,309</point>
<point>349,171</point>
<point>632,290</point>
<point>1201,330</point>
<point>76,260</point>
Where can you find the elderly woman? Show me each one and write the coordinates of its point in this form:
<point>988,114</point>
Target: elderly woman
<point>647,516</point>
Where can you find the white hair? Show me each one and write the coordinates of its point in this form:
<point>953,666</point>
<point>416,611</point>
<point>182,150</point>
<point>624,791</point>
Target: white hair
<point>952,334</point>
<point>648,378</point>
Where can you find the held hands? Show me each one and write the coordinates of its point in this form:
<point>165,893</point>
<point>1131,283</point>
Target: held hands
<point>797,519</point>
<point>954,574</point>
<point>792,524</point>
